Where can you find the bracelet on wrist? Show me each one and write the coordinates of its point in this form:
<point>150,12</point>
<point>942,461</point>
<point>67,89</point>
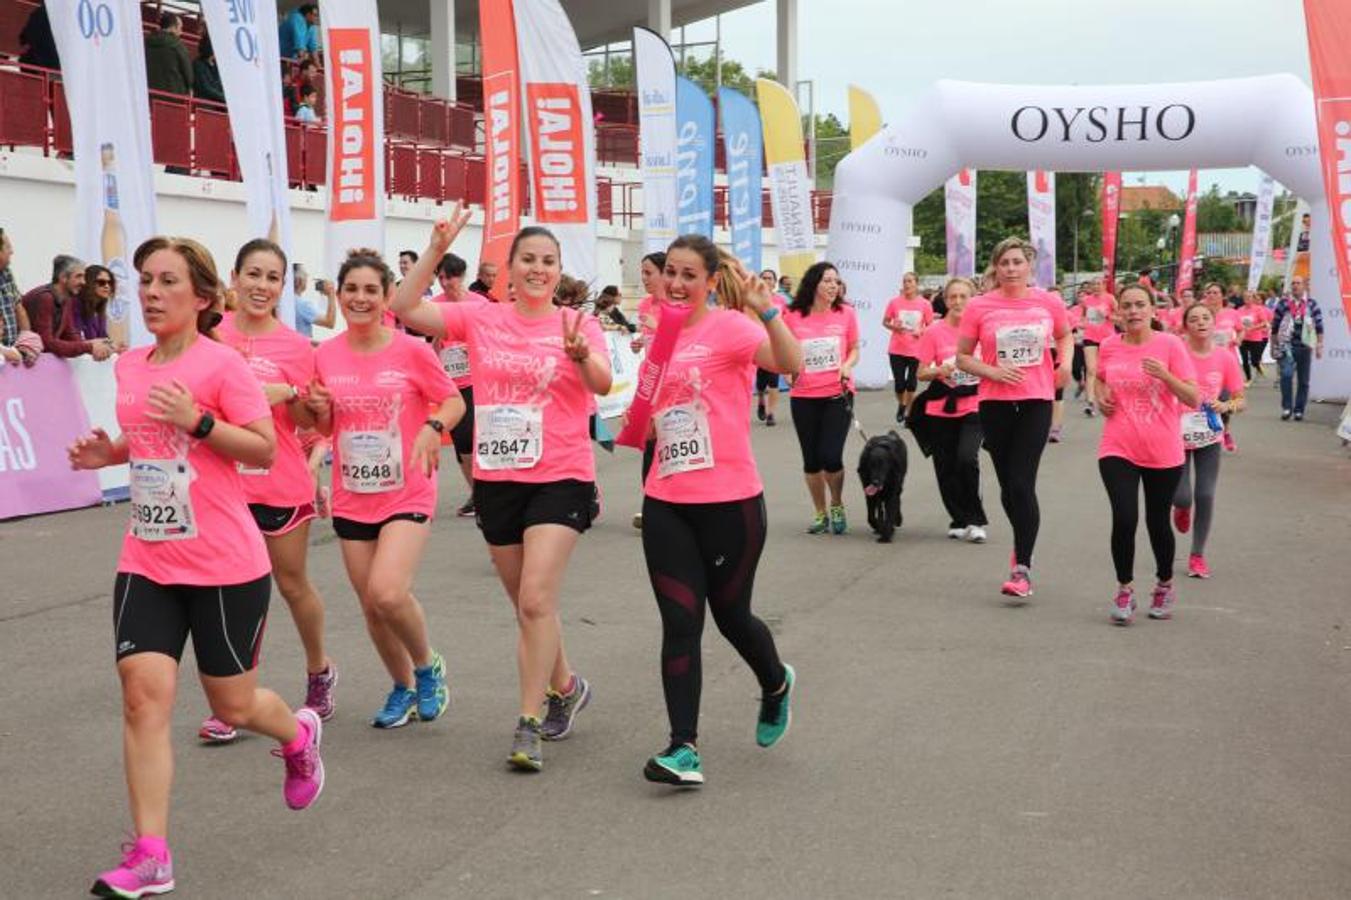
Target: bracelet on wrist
<point>769,315</point>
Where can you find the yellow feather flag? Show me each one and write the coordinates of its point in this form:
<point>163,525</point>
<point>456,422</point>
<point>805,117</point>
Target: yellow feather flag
<point>865,119</point>
<point>789,183</point>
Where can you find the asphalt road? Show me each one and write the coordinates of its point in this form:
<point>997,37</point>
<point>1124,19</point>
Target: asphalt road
<point>943,744</point>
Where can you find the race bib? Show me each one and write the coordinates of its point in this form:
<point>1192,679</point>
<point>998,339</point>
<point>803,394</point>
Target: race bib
<point>1196,431</point>
<point>958,378</point>
<point>1096,316</point>
<point>161,505</point>
<point>1222,338</point>
<point>508,436</point>
<point>910,319</point>
<point>372,461</point>
<point>684,443</point>
<point>1020,345</point>
<point>821,354</point>
<point>244,469</point>
<point>1247,323</point>
<point>455,360</point>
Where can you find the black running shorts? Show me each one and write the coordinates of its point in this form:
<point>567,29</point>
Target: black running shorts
<point>226,622</point>
<point>505,509</point>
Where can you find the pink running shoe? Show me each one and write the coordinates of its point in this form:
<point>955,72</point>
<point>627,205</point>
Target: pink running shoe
<point>319,691</point>
<point>1123,607</point>
<point>1019,584</point>
<point>1196,566</point>
<point>143,873</point>
<point>1229,443</point>
<point>214,731</point>
<point>304,768</point>
<point>1161,601</point>
<point>1182,519</point>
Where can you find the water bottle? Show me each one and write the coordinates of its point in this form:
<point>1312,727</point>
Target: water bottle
<point>1212,418</point>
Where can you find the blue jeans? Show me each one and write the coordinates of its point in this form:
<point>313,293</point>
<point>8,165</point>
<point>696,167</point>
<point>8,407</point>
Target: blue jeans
<point>1295,366</point>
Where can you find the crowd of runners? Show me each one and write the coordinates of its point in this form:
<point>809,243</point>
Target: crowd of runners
<point>226,418</point>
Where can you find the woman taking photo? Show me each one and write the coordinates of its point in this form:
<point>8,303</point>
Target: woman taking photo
<point>704,506</point>
<point>193,561</point>
<point>1217,376</point>
<point>1016,328</point>
<point>281,496</point>
<point>536,370</point>
<point>1145,378</point>
<point>906,317</point>
<point>373,388</point>
<point>952,418</point>
<point>822,396</point>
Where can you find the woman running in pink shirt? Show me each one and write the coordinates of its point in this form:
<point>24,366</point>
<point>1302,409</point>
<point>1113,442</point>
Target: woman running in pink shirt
<point>906,317</point>
<point>1145,378</point>
<point>1016,327</point>
<point>537,369</point>
<point>281,496</point>
<point>1221,386</point>
<point>193,560</point>
<point>1099,312</point>
<point>704,512</point>
<point>372,391</point>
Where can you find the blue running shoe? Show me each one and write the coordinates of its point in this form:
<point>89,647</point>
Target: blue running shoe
<point>677,765</point>
<point>433,696</point>
<point>399,706</point>
<point>776,713</point>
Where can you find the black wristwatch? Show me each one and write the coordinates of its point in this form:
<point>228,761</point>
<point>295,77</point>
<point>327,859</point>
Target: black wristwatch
<point>436,425</point>
<point>204,426</point>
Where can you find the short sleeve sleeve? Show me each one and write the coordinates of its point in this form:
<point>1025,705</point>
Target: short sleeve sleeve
<point>924,350</point>
<point>428,373</point>
<point>851,327</point>
<point>971,321</point>
<point>1060,320</point>
<point>1180,361</point>
<point>456,319</point>
<point>1233,377</point>
<point>239,396</point>
<point>745,338</point>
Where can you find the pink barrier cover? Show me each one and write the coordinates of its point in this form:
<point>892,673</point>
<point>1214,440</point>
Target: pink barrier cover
<point>40,415</point>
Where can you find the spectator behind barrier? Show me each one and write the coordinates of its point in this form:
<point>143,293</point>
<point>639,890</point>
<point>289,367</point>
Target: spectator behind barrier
<point>206,83</point>
<point>168,67</point>
<point>38,42</point>
<point>306,74</point>
<point>305,111</point>
<point>298,33</point>
<point>85,317</point>
<point>484,278</point>
<point>18,343</point>
<point>46,305</point>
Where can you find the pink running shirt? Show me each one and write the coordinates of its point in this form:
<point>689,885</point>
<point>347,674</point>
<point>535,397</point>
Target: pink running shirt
<point>1256,322</point>
<point>531,409</point>
<point>938,346</point>
<point>703,433</point>
<point>1145,429</point>
<point>1228,329</point>
<point>1216,371</point>
<point>914,316</point>
<point>826,339</point>
<point>649,314</point>
<point>454,355</point>
<point>281,356</point>
<point>380,404</point>
<point>1098,311</point>
<point>190,521</point>
<point>1021,330</point>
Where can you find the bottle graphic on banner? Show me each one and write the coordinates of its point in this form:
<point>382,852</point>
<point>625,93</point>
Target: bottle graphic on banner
<point>113,247</point>
<point>273,225</point>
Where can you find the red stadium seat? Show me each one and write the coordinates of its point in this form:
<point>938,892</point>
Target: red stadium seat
<point>171,131</point>
<point>23,109</point>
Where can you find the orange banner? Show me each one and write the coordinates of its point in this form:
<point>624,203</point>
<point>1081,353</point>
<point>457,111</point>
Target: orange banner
<point>1111,216</point>
<point>353,80</point>
<point>1187,260</point>
<point>1329,26</point>
<point>502,124</point>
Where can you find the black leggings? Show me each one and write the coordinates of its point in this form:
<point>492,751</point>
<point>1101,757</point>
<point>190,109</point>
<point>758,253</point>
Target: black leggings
<point>956,455</point>
<point>1122,479</point>
<point>1251,353</point>
<point>1015,434</point>
<point>822,424</point>
<point>904,371</point>
<point>705,554</point>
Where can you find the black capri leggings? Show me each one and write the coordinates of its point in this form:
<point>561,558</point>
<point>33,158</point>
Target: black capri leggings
<point>1015,434</point>
<point>1122,479</point>
<point>1251,354</point>
<point>904,371</point>
<point>704,555</point>
<point>822,424</point>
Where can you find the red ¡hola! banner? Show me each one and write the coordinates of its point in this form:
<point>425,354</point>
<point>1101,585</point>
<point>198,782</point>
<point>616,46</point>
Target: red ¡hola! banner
<point>502,122</point>
<point>1111,215</point>
<point>1329,27</point>
<point>1187,258</point>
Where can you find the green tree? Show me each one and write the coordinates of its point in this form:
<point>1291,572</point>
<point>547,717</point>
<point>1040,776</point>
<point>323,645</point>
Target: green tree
<point>832,145</point>
<point>1215,214</point>
<point>619,76</point>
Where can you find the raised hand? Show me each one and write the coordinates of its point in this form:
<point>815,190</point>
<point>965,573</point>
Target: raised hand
<point>446,230</point>
<point>173,404</point>
<point>755,292</point>
<point>574,342</point>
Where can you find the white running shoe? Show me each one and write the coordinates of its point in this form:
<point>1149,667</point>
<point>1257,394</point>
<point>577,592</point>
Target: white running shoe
<point>956,534</point>
<point>976,534</point>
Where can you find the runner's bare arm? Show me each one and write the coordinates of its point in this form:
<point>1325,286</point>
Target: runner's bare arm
<point>594,367</point>
<point>408,303</point>
<point>781,353</point>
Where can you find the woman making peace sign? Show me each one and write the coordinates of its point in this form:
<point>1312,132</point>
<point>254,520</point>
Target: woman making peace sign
<point>535,366</point>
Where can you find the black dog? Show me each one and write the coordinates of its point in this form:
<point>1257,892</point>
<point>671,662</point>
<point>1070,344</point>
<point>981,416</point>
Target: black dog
<point>881,468</point>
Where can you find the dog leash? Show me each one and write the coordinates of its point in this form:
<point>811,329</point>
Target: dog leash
<point>848,398</point>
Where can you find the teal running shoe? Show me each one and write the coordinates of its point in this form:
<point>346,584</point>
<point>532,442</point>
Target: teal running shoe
<point>776,712</point>
<point>819,525</point>
<point>433,696</point>
<point>677,765</point>
<point>837,522</point>
<point>399,707</point>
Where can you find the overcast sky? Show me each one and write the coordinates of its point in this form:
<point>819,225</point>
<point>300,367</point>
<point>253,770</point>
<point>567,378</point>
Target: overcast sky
<point>895,48</point>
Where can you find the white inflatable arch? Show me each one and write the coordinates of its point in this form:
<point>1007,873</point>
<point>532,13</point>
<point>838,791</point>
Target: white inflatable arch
<point>1266,121</point>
